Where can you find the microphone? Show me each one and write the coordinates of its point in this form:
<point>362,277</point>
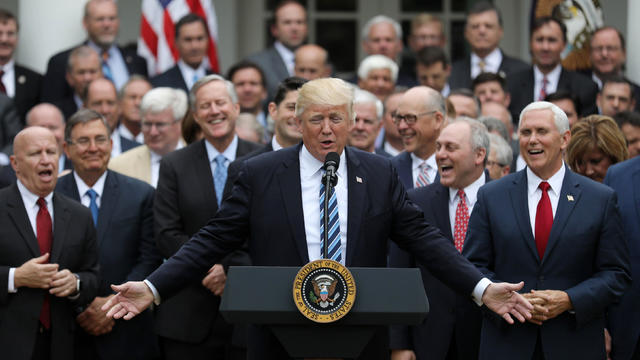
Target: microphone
<point>331,163</point>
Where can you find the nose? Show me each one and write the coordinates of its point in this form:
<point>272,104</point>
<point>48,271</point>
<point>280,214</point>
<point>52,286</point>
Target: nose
<point>326,127</point>
<point>589,169</point>
<point>359,124</point>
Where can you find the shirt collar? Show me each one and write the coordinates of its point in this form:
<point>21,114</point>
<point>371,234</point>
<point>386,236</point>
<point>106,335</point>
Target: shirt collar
<point>309,165</point>
<point>98,49</point>
<point>9,66</point>
<point>555,181</point>
<point>470,191</point>
<point>275,144</point>
<point>98,187</point>
<point>186,69</point>
<point>493,60</point>
<point>431,161</point>
<point>30,198</point>
<point>553,76</point>
<point>229,152</point>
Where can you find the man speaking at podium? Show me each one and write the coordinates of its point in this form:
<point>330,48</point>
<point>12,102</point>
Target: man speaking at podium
<point>275,203</point>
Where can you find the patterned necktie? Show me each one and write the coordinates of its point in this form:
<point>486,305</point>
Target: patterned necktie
<point>423,175</point>
<point>106,70</point>
<point>220,176</point>
<point>462,221</point>
<point>44,234</point>
<point>544,220</point>
<point>543,89</point>
<point>482,65</point>
<point>93,205</point>
<point>3,89</point>
<point>335,250</point>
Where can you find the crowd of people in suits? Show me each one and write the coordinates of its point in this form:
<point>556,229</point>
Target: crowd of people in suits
<point>484,172</point>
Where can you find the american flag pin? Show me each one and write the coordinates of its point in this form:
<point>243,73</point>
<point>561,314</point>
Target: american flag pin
<point>570,197</point>
<point>359,179</point>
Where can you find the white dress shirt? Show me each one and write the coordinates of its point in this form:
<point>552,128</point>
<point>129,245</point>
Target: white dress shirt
<point>229,153</point>
<point>98,187</point>
<point>275,144</point>
<point>287,55</point>
<point>155,164</point>
<point>415,168</point>
<point>310,180</point>
<point>471,196</point>
<point>534,193</point>
<point>125,133</point>
<point>9,77</point>
<point>553,77</point>
<point>189,73</point>
<point>390,149</point>
<point>491,62</point>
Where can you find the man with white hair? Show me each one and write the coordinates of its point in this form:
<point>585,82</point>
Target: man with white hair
<point>162,111</point>
<point>559,231</point>
<point>378,74</point>
<point>500,157</point>
<point>368,122</point>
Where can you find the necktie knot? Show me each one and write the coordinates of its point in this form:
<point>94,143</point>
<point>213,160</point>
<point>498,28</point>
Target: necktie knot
<point>42,203</point>
<point>220,160</point>
<point>461,194</point>
<point>105,55</point>
<point>93,205</point>
<point>92,194</point>
<point>544,186</point>
<point>220,176</point>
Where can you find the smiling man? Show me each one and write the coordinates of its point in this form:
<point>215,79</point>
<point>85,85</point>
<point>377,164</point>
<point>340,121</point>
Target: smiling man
<point>368,122</point>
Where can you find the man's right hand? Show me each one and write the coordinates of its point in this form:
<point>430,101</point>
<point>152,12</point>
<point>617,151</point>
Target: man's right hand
<point>35,273</point>
<point>403,355</point>
<point>93,319</point>
<point>132,298</point>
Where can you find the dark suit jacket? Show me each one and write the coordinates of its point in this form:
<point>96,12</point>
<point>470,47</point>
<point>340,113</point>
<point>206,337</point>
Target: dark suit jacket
<point>403,163</point>
<point>27,85</point>
<point>265,206</point>
<point>55,86</point>
<point>273,67</point>
<point>236,166</point>
<point>185,201</point>
<point>73,248</point>
<point>635,88</point>
<point>451,316</point>
<point>172,78</point>
<point>461,70</point>
<point>10,124</point>
<point>521,86</point>
<point>624,318</point>
<point>126,144</point>
<point>67,106</point>
<point>586,256</point>
<point>127,253</point>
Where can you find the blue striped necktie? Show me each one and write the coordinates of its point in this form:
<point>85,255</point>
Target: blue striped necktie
<point>335,249</point>
<point>220,176</point>
<point>93,205</point>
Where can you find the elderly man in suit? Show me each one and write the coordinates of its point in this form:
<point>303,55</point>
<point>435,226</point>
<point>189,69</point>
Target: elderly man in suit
<point>452,328</point>
<point>559,231</point>
<point>162,112</point>
<point>101,22</point>
<point>122,210</point>
<point>49,258</point>
<point>281,230</point>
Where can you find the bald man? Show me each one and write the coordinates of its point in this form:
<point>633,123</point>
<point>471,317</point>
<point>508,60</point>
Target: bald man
<point>311,62</point>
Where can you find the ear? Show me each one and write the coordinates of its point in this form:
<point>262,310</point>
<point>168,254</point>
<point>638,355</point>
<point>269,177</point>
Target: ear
<point>14,163</point>
<point>272,109</point>
<point>599,100</point>
<point>564,140</point>
<point>481,154</point>
<point>507,99</point>
<point>65,148</point>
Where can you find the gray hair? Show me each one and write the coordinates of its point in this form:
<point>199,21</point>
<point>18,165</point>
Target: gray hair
<point>133,78</point>
<point>163,98</point>
<point>379,19</point>
<point>207,79</point>
<point>82,51</point>
<point>374,62</point>
<point>436,102</point>
<point>479,134</point>
<point>504,153</point>
<point>494,124</point>
<point>559,116</point>
<point>365,97</point>
<point>83,116</point>
<point>248,120</point>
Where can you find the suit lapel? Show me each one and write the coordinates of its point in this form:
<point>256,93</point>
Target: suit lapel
<point>18,215</point>
<point>442,210</point>
<point>291,194</point>
<point>404,170</point>
<point>520,203</point>
<point>569,197</point>
<point>357,198</point>
<point>635,179</point>
<point>20,80</point>
<point>202,170</point>
<point>144,163</point>
<point>107,205</point>
<point>528,85</point>
<point>61,219</point>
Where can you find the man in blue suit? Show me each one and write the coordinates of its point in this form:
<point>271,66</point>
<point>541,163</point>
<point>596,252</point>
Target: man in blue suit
<point>273,204</point>
<point>624,318</point>
<point>559,231</point>
<point>122,209</point>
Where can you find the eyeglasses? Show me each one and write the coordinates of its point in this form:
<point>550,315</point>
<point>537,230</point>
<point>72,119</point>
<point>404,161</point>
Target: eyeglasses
<point>84,142</point>
<point>146,126</point>
<point>609,48</point>
<point>410,119</point>
<point>492,163</point>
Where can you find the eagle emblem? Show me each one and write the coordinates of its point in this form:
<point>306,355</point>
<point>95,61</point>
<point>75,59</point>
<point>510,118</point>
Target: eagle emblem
<point>324,289</point>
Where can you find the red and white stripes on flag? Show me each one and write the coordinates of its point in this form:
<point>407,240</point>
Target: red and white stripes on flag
<point>156,43</point>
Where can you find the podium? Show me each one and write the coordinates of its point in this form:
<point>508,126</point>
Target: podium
<point>263,296</point>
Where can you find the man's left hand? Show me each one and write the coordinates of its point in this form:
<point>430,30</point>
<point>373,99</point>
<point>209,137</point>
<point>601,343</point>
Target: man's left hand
<point>94,320</point>
<point>215,280</point>
<point>555,302</point>
<point>503,299</point>
<point>63,284</point>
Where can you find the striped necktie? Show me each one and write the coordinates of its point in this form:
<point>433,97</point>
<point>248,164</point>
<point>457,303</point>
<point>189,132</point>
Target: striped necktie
<point>423,175</point>
<point>335,250</point>
<point>220,176</point>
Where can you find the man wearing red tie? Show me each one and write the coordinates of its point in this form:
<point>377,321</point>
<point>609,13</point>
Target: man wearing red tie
<point>562,234</point>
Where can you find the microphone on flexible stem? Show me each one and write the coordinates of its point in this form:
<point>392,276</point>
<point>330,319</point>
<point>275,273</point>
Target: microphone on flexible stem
<point>329,179</point>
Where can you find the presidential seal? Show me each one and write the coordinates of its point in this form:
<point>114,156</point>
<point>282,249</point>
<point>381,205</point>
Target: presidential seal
<point>324,291</point>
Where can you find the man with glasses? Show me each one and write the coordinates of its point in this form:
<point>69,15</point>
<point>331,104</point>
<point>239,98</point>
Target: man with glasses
<point>162,111</point>
<point>419,117</point>
<point>122,212</point>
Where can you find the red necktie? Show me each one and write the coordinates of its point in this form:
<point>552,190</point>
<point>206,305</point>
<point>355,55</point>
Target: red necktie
<point>44,235</point>
<point>544,220</point>
<point>462,221</point>
<point>2,88</point>
<point>543,89</point>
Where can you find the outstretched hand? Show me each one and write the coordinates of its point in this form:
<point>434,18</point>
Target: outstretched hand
<point>503,299</point>
<point>132,298</point>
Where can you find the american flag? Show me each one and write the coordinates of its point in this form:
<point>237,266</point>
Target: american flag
<point>156,43</point>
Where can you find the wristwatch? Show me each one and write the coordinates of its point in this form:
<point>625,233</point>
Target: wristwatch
<point>77,282</point>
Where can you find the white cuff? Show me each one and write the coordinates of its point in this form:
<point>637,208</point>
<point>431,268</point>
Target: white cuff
<point>156,294</point>
<point>478,291</point>
<point>12,285</point>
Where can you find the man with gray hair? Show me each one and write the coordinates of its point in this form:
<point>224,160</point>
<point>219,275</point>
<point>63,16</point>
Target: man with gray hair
<point>82,67</point>
<point>129,98</point>
<point>559,231</point>
<point>378,74</point>
<point>368,122</point>
<point>162,110</point>
<point>500,157</point>
<point>191,186</point>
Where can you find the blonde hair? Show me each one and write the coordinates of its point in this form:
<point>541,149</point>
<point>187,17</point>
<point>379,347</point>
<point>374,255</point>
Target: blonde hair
<point>596,132</point>
<point>328,92</point>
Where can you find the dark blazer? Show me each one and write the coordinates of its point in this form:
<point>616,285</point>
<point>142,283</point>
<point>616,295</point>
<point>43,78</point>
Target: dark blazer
<point>67,106</point>
<point>265,206</point>
<point>55,86</point>
<point>461,70</point>
<point>273,67</point>
<point>172,78</point>
<point>451,316</point>
<point>403,164</point>
<point>126,144</point>
<point>521,87</point>
<point>27,85</point>
<point>635,88</point>
<point>74,247</point>
<point>380,151</point>
<point>10,124</point>
<point>236,166</point>
<point>185,201</point>
<point>586,256</point>
<point>624,318</point>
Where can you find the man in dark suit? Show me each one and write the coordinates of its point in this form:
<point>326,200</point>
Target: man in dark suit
<point>190,188</point>
<point>10,125</point>
<point>419,117</point>
<point>452,328</point>
<point>289,29</point>
<point>483,32</point>
<point>281,234</point>
<point>18,82</point>
<point>192,42</point>
<point>559,231</point>
<point>49,259</point>
<point>624,318</point>
<point>123,214</point>
<point>101,23</point>
<point>546,76</point>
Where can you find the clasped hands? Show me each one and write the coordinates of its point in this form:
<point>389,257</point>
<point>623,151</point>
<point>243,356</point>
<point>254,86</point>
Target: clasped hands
<point>39,274</point>
<point>547,304</point>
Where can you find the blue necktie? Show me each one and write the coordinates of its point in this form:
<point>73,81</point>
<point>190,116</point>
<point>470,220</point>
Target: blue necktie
<point>220,176</point>
<point>106,70</point>
<point>93,205</point>
<point>335,249</point>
